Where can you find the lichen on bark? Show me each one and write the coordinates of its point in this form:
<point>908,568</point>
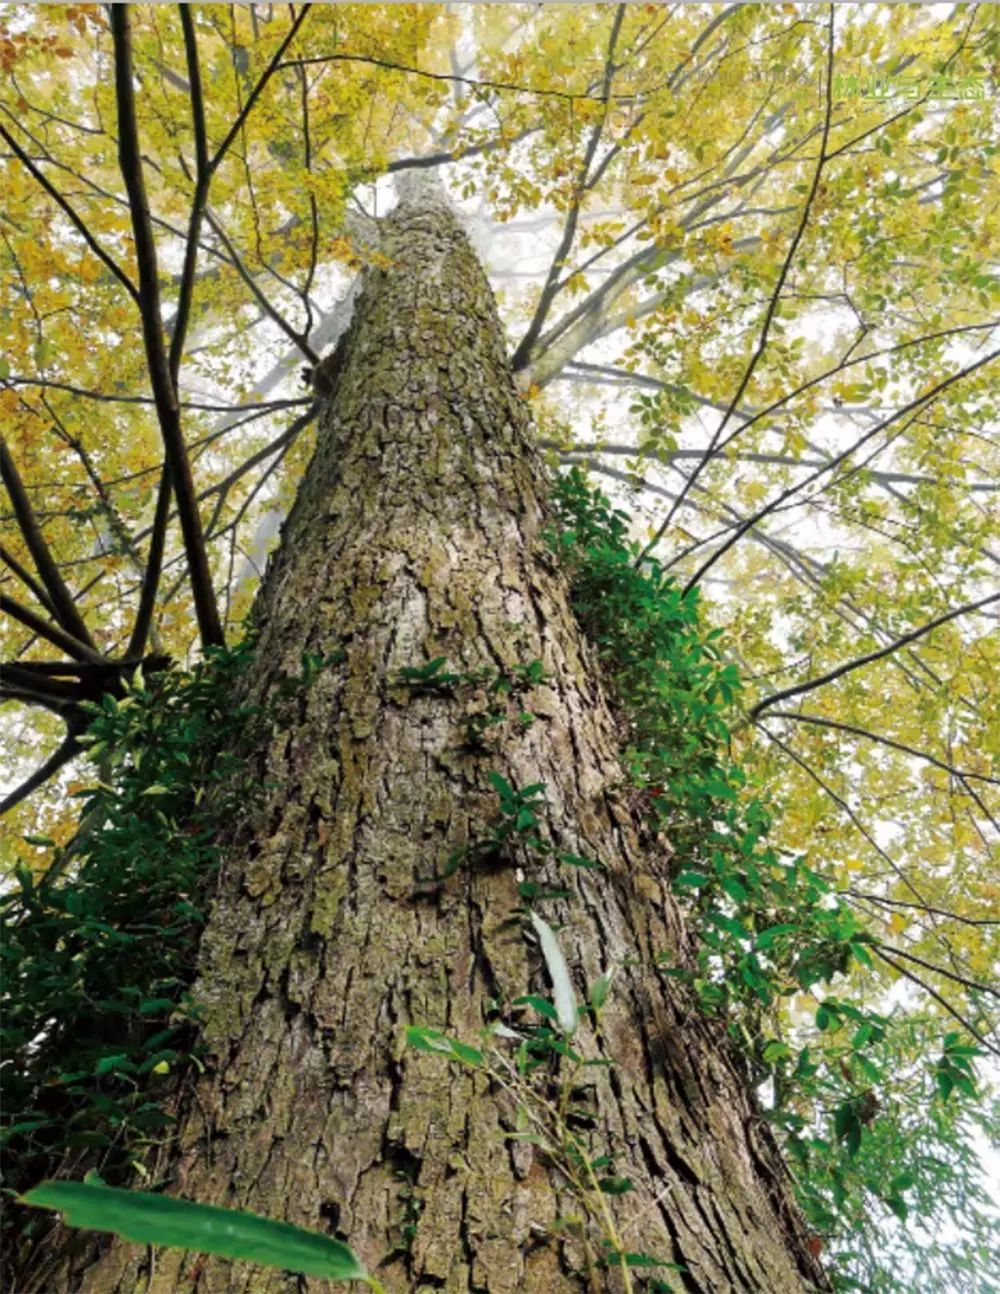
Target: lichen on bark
<point>416,533</point>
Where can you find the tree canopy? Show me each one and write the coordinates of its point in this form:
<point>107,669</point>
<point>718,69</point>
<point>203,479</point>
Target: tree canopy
<point>745,256</point>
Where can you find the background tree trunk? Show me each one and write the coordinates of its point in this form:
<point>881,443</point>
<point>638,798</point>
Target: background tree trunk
<point>416,533</point>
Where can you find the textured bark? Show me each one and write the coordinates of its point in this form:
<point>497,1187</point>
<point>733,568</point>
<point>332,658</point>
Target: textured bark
<point>416,533</point>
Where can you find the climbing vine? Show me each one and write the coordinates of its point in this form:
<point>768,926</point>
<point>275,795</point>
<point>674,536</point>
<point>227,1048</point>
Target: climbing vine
<point>871,1108</point>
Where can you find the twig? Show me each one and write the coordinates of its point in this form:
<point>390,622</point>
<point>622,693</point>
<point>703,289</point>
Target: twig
<point>942,1001</point>
<point>771,308</point>
<point>77,220</point>
<point>915,404</point>
<point>551,286</point>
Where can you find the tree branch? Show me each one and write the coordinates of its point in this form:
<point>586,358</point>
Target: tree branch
<point>942,1001</point>
<point>848,666</point>
<point>52,633</point>
<point>76,219</point>
<point>772,304</point>
<point>918,402</point>
<point>164,390</point>
<point>552,284</point>
<point>66,611</point>
<point>62,755</point>
<point>27,580</point>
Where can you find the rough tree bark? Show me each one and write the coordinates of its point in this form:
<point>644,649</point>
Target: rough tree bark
<point>417,533</point>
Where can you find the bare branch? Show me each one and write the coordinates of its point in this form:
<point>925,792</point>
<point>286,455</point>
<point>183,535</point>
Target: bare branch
<point>884,741</point>
<point>203,178</point>
<point>941,1001</point>
<point>54,634</point>
<point>28,580</point>
<point>922,907</point>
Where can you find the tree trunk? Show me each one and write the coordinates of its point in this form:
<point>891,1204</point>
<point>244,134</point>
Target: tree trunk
<point>416,534</point>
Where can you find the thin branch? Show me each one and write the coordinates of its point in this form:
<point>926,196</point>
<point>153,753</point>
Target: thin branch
<point>848,666</point>
<point>314,59</point>
<point>154,567</point>
<point>460,154</point>
<point>919,401</point>
<point>552,284</point>
<point>942,1001</point>
<point>201,405</point>
<point>845,808</point>
<point>884,741</point>
<point>973,985</point>
<point>67,613</point>
<point>271,311</point>
<point>62,755</point>
<point>28,580</point>
<point>772,304</point>
<point>255,93</point>
<point>923,907</point>
<point>204,175</point>
<point>746,456</point>
<point>52,633</point>
<point>76,219</point>
<point>164,391</point>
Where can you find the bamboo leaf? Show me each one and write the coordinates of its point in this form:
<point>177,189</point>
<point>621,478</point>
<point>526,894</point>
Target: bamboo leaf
<point>145,1218</point>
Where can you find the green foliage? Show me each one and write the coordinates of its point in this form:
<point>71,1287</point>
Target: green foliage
<point>151,1219</point>
<point>770,927</point>
<point>496,689</point>
<point>97,951</point>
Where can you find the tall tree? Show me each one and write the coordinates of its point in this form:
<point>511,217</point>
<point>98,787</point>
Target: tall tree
<point>416,534</point>
<point>193,216</point>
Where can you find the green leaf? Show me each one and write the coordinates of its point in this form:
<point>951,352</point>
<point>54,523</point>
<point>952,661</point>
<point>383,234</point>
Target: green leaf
<point>145,1218</point>
<point>421,1038</point>
<point>575,860</point>
<point>500,784</point>
<point>898,1206</point>
<point>542,1005</point>
<point>616,1185</point>
<point>694,880</point>
<point>600,988</point>
<point>562,985</point>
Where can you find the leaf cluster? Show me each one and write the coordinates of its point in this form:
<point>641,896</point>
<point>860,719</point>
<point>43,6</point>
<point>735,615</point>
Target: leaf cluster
<point>97,951</point>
